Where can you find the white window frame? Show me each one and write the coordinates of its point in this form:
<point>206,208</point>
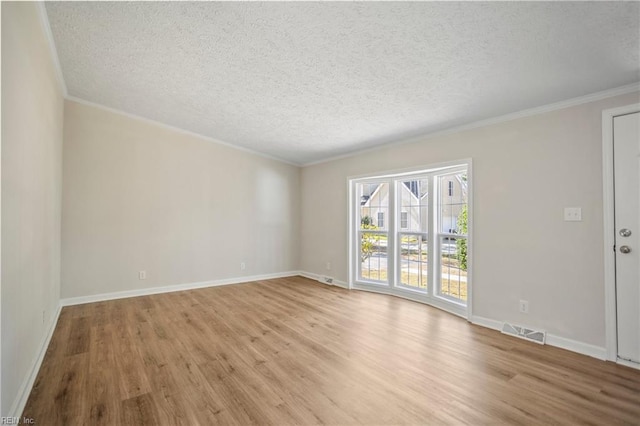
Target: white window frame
<point>431,296</point>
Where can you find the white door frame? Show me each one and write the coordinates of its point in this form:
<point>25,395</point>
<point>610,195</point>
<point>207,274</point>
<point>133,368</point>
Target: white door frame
<point>611,339</point>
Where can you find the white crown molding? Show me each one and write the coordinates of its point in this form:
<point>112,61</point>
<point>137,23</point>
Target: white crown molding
<point>25,390</point>
<point>622,90</point>
<point>630,88</point>
<point>171,288</point>
<point>178,129</point>
<point>46,28</point>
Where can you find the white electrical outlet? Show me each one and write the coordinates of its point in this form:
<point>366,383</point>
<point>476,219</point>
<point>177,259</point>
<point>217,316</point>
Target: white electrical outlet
<point>524,306</point>
<point>243,266</point>
<point>43,316</point>
<point>573,214</point>
<point>328,266</point>
<point>142,275</point>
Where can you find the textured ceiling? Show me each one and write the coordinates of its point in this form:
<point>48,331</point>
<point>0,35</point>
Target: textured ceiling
<point>308,81</point>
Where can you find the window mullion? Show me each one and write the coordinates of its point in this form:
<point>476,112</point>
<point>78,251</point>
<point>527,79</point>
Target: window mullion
<point>432,239</point>
<point>391,236</point>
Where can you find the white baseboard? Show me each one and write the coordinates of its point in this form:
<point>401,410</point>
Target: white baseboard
<point>23,394</point>
<point>171,288</point>
<point>630,364</point>
<point>486,322</point>
<point>433,302</point>
<point>576,346</point>
<point>316,277</point>
<point>25,390</point>
<point>552,340</point>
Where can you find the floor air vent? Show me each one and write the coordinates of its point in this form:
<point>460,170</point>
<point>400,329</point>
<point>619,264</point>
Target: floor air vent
<point>537,336</point>
<point>326,280</point>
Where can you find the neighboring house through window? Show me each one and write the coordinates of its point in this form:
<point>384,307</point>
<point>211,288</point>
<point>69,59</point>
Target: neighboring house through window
<point>423,248</point>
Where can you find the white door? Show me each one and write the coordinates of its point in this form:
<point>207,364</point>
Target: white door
<point>626,149</point>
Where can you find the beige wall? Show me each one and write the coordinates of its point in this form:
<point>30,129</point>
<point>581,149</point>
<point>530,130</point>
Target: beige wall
<point>138,196</point>
<point>525,172</point>
<point>32,109</point>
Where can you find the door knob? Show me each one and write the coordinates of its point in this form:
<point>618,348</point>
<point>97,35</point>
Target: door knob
<point>625,249</point>
<point>624,232</point>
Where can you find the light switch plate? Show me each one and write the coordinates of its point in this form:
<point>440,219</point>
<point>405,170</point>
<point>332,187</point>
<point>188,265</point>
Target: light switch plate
<point>573,214</point>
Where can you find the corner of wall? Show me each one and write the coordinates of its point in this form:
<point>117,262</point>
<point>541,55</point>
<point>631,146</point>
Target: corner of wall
<point>25,389</point>
<point>29,62</point>
<point>46,29</point>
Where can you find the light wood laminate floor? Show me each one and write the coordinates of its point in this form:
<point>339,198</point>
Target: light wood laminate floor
<point>293,351</point>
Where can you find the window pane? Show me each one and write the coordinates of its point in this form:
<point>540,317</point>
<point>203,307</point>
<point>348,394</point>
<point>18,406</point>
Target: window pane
<point>453,203</point>
<point>374,214</point>
<point>404,220</point>
<point>453,267</point>
<point>373,256</point>
<point>374,205</point>
<point>413,199</point>
<point>412,205</point>
<point>413,261</point>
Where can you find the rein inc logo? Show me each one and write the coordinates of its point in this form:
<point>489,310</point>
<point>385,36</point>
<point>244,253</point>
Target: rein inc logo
<point>17,421</point>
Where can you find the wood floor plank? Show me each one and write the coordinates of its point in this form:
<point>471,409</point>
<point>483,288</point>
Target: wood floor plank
<point>103,395</point>
<point>139,410</point>
<point>79,337</point>
<point>292,351</point>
